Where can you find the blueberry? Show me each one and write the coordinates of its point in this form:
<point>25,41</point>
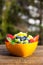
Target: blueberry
<point>24,38</point>
<point>21,38</point>
<point>17,37</point>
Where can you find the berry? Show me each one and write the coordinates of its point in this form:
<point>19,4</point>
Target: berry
<point>17,37</point>
<point>31,40</point>
<point>6,40</point>
<point>9,39</point>
<point>36,38</point>
<point>10,36</point>
<point>23,38</point>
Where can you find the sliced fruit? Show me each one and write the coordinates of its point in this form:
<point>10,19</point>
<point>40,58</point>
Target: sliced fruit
<point>6,40</point>
<point>11,36</point>
<point>30,37</point>
<point>26,41</point>
<point>9,39</point>
<point>36,38</point>
<point>17,40</point>
<point>31,40</point>
<point>22,34</point>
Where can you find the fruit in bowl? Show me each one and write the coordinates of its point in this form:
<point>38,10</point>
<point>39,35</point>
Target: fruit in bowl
<point>21,44</point>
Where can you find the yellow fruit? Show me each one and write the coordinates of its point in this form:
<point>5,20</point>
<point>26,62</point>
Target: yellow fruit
<point>22,34</point>
<point>30,37</point>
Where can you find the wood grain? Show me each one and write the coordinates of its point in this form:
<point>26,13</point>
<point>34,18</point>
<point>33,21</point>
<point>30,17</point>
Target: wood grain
<point>7,59</point>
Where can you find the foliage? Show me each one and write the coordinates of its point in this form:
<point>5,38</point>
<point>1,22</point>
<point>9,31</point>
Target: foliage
<point>10,22</point>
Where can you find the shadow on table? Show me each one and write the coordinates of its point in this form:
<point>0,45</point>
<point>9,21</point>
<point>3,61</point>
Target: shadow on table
<point>4,52</point>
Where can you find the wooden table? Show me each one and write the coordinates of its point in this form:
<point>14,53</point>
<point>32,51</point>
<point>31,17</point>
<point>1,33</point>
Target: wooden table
<point>7,59</point>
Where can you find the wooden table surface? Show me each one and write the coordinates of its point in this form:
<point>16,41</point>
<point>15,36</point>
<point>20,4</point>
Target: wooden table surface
<point>7,59</point>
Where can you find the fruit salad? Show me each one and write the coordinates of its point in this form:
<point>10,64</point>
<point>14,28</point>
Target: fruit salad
<point>21,38</point>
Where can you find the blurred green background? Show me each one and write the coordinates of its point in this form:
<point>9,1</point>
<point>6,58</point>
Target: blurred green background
<point>21,15</point>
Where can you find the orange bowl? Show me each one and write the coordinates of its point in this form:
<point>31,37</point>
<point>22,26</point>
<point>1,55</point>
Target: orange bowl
<point>22,50</point>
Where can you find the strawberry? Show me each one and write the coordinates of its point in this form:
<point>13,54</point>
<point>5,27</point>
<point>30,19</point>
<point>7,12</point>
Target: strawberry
<point>31,40</point>
<point>34,39</point>
<point>6,40</point>
<point>10,36</point>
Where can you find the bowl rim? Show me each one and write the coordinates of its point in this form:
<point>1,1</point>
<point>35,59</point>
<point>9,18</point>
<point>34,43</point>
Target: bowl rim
<point>21,43</point>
